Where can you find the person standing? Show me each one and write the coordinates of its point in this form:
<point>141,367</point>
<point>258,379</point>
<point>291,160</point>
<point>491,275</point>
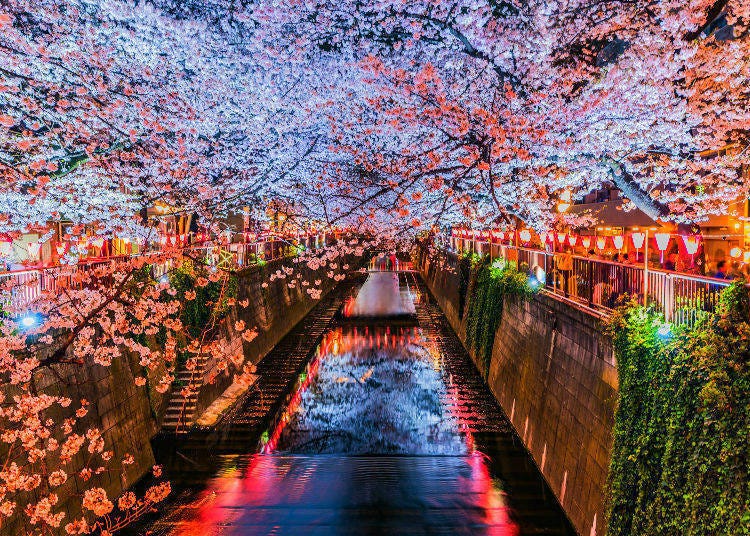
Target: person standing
<point>564,265</point>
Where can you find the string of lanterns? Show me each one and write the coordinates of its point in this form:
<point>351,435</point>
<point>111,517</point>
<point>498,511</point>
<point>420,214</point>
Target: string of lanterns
<point>661,240</point>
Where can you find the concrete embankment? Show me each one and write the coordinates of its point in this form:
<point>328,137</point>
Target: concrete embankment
<point>554,373</point>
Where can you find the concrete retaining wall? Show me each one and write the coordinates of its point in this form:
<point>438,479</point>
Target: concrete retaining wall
<point>554,373</point>
<point>129,416</point>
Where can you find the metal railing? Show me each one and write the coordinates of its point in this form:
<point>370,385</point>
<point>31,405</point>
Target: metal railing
<point>20,288</point>
<point>599,285</point>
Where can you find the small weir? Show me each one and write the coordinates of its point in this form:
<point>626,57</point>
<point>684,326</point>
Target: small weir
<point>389,429</point>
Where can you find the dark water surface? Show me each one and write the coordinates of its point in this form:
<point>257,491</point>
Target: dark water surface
<point>391,431</point>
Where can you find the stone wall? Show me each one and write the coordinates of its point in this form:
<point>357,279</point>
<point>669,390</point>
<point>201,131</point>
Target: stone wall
<point>130,416</point>
<point>554,373</point>
<point>274,310</point>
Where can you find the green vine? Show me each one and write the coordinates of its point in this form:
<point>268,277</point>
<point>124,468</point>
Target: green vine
<point>490,286</point>
<point>196,314</point>
<point>679,464</point>
<point>466,264</point>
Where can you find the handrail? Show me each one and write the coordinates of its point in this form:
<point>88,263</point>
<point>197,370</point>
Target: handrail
<point>597,284</point>
<point>26,285</point>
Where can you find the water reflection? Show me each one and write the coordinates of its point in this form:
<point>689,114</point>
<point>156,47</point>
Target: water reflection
<point>375,391</point>
<point>377,439</point>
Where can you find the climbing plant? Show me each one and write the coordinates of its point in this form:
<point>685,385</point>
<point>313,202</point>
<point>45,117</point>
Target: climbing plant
<point>492,284</point>
<point>209,300</point>
<point>680,460</point>
<point>466,278</point>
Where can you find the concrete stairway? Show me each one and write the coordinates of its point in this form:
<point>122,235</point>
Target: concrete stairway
<point>181,410</point>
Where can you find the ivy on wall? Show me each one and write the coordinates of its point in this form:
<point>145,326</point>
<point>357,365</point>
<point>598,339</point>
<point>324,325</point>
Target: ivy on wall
<point>489,285</point>
<point>679,465</point>
<point>196,314</point>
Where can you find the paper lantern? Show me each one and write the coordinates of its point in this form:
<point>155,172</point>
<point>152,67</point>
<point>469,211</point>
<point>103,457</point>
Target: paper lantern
<point>501,235</point>
<point>543,237</point>
<point>638,239</point>
<point>572,240</point>
<point>33,248</point>
<point>619,241</point>
<point>662,241</point>
<point>586,242</point>
<point>60,248</point>
<point>691,244</point>
<point>601,242</point>
<point>525,236</point>
<point>6,248</point>
<point>735,252</point>
<point>561,238</point>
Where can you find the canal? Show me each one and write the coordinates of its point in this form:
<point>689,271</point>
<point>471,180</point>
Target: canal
<point>390,430</point>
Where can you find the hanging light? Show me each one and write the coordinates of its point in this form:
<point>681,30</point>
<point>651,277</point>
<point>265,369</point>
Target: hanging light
<point>619,241</point>
<point>638,239</point>
<point>561,238</point>
<point>662,242</point>
<point>586,242</point>
<point>525,236</point>
<point>543,237</point>
<point>691,244</point>
<point>735,252</point>
<point>572,239</point>
<point>60,248</point>
<point>601,242</point>
<point>6,248</point>
<point>33,248</point>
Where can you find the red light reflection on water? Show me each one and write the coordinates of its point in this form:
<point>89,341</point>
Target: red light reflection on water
<point>235,493</point>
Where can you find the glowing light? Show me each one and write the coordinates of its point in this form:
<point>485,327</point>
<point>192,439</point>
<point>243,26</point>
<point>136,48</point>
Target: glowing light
<point>561,238</point>
<point>638,239</point>
<point>543,237</point>
<point>735,252</point>
<point>33,248</point>
<point>691,244</point>
<point>601,242</point>
<point>619,241</point>
<point>28,321</point>
<point>665,330</point>
<point>540,275</point>
<point>572,240</point>
<point>6,248</point>
<point>525,236</point>
<point>662,241</point>
<point>586,242</point>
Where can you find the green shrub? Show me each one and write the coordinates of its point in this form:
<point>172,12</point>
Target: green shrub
<point>682,427</point>
<point>491,284</point>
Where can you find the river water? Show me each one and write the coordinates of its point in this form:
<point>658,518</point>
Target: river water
<point>390,431</point>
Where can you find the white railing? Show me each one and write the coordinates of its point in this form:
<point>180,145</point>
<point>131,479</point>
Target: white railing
<point>598,284</point>
<point>23,287</point>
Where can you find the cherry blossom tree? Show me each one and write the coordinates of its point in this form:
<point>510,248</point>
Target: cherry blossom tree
<point>384,117</point>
